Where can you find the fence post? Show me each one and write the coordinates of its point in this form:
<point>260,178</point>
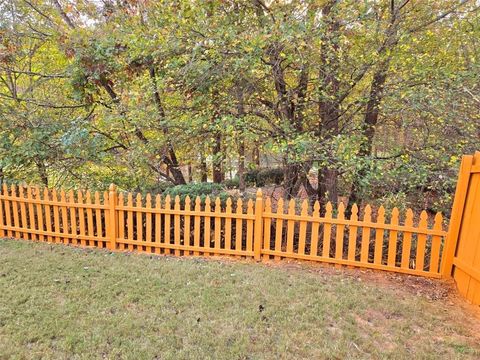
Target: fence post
<point>456,216</point>
<point>257,237</point>
<point>112,228</point>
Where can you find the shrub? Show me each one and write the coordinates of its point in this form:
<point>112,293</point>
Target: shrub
<point>232,183</point>
<point>269,176</point>
<point>251,177</point>
<point>198,189</point>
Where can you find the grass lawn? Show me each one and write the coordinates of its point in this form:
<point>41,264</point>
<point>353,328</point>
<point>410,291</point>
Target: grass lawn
<point>63,302</point>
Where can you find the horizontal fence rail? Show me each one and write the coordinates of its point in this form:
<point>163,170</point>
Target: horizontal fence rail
<point>253,228</point>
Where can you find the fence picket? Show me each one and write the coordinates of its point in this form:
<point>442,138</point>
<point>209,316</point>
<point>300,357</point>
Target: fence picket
<point>290,226</point>
<point>228,225</point>
<point>176,224</point>
<point>352,234</point>
<point>23,212</point>
<point>436,244</point>
<point>392,240</point>
<point>303,228</point>
<point>121,221</point>
<point>139,222</point>
<point>279,228</point>
<point>2,203</point>
<point>8,213</point>
<point>340,232</point>
<point>267,228</point>
<point>81,218</point>
<point>56,216</point>
<point>421,241</point>
<point>65,223</point>
<point>16,220</point>
<point>407,241</point>
<point>218,224</point>
<point>158,223</point>
<point>129,220</point>
<point>249,226</point>
<point>40,220</point>
<point>196,229</point>
<point>315,228</point>
<point>48,214</point>
<point>98,220</point>
<point>365,244</point>
<point>379,233</point>
<point>148,221</point>
<point>327,230</point>
<point>207,238</point>
<point>238,226</point>
<point>186,225</point>
<point>73,217</point>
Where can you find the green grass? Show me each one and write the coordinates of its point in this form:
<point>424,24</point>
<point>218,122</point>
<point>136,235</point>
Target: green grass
<point>64,302</point>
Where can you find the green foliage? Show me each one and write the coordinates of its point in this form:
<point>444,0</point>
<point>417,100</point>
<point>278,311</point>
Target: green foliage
<point>201,190</point>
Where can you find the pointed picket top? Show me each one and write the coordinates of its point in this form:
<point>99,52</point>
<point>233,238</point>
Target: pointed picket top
<point>168,200</point>
<point>62,194</point>
<point>71,196</point>
<point>148,200</point>
<point>13,190</point>
<point>158,201</point>
<point>328,210</point>
<point>354,214</point>
<point>112,187</point>
<point>280,206</point>
<point>88,197</point>
<point>239,209</point>
<point>54,194</point>
<point>250,207</point>
<point>291,207</point>
<point>80,196</point>
<point>367,216</point>
<point>268,205</point>
<point>259,193</point>
<point>395,215</point>
<point>228,207</point>
<point>120,198</point>
<point>341,211</point>
<point>217,204</point>
<point>208,203</point>
<point>409,218</point>
<point>130,199</point>
<point>304,211</point>
<point>36,192</point>
<point>188,201</point>
<point>198,203</point>
<point>438,221</point>
<point>381,215</point>
<point>423,223</point>
<point>316,209</point>
<point>5,189</point>
<point>105,196</point>
<point>97,197</point>
<point>139,200</point>
<point>177,203</point>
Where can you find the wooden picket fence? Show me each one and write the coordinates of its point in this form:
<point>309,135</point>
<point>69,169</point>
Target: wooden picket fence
<point>252,229</point>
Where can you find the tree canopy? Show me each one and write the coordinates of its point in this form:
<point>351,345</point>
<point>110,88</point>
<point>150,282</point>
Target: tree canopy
<point>373,99</point>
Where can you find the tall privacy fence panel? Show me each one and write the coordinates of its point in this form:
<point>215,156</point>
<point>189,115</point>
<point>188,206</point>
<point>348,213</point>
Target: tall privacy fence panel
<point>371,239</point>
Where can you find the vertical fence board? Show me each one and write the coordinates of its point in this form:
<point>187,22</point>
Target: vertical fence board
<point>379,233</point>
<point>238,226</point>
<point>16,220</point>
<point>267,223</point>
<point>340,232</point>
<point>139,222</point>
<point>249,226</point>
<point>196,229</point>
<point>407,241</point>
<point>56,216</point>
<point>186,225</point>
<point>218,225</point>
<point>279,228</point>
<point>48,214</point>
<point>130,220</point>
<point>392,240</point>
<point>421,242</point>
<point>81,218</point>
<point>23,212</point>
<point>352,234</point>
<point>367,219</point>
<point>436,244</point>
<point>148,221</point>
<point>40,220</point>
<point>65,223</point>
<point>176,224</point>
<point>303,228</point>
<point>327,230</point>
<point>228,225</point>
<point>207,238</point>
<point>158,223</point>
<point>8,213</point>
<point>315,228</point>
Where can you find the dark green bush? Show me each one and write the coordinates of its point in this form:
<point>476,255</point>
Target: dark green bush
<point>251,177</point>
<point>269,176</point>
<point>198,189</point>
<point>232,183</point>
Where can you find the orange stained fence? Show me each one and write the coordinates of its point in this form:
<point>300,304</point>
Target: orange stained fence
<point>462,253</point>
<point>392,241</point>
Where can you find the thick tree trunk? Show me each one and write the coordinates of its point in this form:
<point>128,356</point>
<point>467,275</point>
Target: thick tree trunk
<point>368,132</point>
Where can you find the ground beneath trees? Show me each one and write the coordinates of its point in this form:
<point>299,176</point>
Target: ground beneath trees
<point>65,302</point>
